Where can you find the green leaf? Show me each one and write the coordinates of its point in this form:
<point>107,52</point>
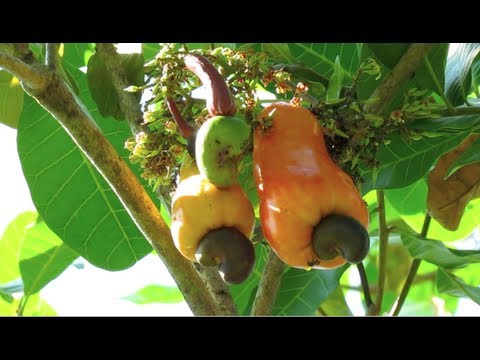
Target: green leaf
<point>321,57</point>
<point>469,156</point>
<point>457,72</point>
<point>336,305</point>
<point>301,291</point>
<point>11,99</point>
<point>246,179</point>
<point>336,82</point>
<point>452,285</point>
<point>72,197</point>
<point>437,57</point>
<point>156,294</point>
<point>403,163</point>
<point>389,54</point>
<point>278,52</point>
<point>36,306</point>
<point>244,293</point>
<point>43,257</point>
<point>435,252</point>
<point>150,50</point>
<point>102,88</point>
<point>10,244</point>
<point>449,124</point>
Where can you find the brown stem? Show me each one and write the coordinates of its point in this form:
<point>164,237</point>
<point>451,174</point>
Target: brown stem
<point>268,286</point>
<point>405,68</point>
<point>184,128</point>
<point>220,100</point>
<point>218,289</point>
<point>23,71</point>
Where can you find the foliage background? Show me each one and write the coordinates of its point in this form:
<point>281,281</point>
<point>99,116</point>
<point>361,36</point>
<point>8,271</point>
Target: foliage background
<point>98,284</point>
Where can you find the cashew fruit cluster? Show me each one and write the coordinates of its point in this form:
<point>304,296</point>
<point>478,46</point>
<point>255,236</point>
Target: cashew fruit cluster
<point>312,214</point>
<point>212,219</point>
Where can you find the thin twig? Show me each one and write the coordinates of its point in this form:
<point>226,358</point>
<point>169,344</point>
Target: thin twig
<point>439,86</point>
<point>62,104</point>
<point>268,286</point>
<point>382,252</point>
<point>51,56</point>
<point>26,73</point>
<point>412,273</point>
<point>404,69</point>
<point>464,110</point>
<point>365,287</point>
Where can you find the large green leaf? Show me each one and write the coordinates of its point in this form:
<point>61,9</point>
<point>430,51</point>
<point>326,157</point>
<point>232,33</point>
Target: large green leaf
<point>403,163</point>
<point>156,294</point>
<point>457,72</point>
<point>101,84</point>
<point>435,252</point>
<point>389,54</point>
<point>10,244</point>
<point>43,257</point>
<point>321,57</point>
<point>301,291</point>
<point>11,99</point>
<point>449,124</point>
<point>72,197</point>
<point>470,156</point>
<point>453,285</point>
<point>410,204</point>
<point>69,193</point>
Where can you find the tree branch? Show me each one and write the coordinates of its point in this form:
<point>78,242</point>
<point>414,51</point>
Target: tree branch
<point>218,289</point>
<point>134,115</point>
<point>57,99</point>
<point>51,56</point>
<point>23,71</point>
<point>404,69</point>
<point>268,286</point>
<point>128,102</point>
<point>464,110</point>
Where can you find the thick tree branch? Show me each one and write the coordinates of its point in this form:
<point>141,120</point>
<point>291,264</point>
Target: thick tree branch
<point>218,289</point>
<point>268,286</point>
<point>404,69</point>
<point>128,102</point>
<point>56,97</point>
<point>23,71</point>
<point>133,113</point>
<point>464,110</point>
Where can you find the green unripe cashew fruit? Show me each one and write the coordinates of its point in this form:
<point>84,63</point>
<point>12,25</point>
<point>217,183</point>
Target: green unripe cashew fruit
<point>219,145</point>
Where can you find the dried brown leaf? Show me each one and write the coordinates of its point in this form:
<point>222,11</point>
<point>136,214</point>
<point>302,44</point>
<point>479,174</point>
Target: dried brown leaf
<point>448,198</point>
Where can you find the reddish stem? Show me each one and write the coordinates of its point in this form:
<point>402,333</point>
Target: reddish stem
<point>183,127</point>
<point>220,100</point>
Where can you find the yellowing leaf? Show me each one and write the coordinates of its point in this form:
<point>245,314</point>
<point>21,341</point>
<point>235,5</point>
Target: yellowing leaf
<point>447,198</point>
